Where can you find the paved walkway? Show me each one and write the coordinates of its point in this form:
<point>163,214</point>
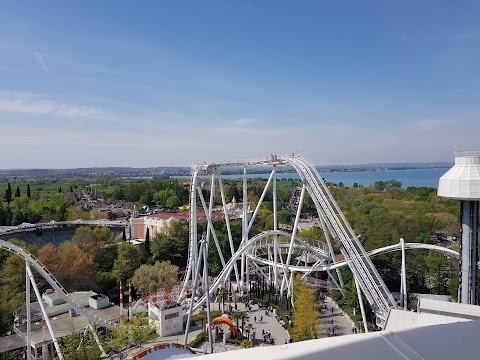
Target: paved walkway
<point>269,323</point>
<point>335,319</point>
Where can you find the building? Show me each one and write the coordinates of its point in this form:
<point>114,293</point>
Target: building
<point>63,318</point>
<point>160,222</point>
<point>168,319</point>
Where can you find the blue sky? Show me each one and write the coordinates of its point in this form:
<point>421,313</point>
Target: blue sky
<point>169,83</point>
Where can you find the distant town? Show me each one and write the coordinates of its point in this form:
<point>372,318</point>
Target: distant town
<point>172,171</point>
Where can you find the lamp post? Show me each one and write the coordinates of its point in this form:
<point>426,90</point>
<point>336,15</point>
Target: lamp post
<point>176,329</point>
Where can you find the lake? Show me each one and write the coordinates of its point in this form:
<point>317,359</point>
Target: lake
<point>409,177</point>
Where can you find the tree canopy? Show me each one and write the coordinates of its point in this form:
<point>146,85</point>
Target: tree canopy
<point>305,319</point>
<point>148,278</point>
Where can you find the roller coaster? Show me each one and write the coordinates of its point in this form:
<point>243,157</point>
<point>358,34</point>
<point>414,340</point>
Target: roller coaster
<point>273,254</point>
<point>334,225</point>
<point>260,245</point>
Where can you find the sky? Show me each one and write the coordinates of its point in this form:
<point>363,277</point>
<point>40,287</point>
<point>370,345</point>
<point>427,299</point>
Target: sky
<point>171,83</point>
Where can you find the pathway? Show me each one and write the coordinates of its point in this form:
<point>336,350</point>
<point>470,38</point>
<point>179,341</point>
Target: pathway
<point>333,320</point>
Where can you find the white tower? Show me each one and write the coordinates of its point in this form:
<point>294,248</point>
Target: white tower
<point>462,182</point>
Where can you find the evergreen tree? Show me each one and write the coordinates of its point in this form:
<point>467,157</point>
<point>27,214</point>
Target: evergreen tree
<point>17,192</point>
<point>71,188</point>
<point>3,215</point>
<point>8,194</point>
<point>147,252</point>
<point>29,195</point>
<point>60,189</point>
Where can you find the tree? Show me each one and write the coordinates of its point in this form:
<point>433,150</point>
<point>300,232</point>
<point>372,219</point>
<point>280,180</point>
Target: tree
<point>29,195</point>
<point>126,335</point>
<point>97,243</point>
<point>12,291</point>
<point>306,315</point>
<point>148,278</point>
<point>284,217</point>
<point>379,186</point>
<point>17,192</point>
<point>8,194</point>
<point>236,316</point>
<point>438,272</point>
<point>71,266</point>
<point>17,217</point>
<point>129,259</point>
<point>203,314</point>
<point>222,294</point>
<point>162,248</point>
<point>389,184</point>
<point>60,189</point>
<point>173,201</point>
<point>177,232</point>
<point>243,317</point>
<point>3,215</point>
<point>147,253</point>
<point>76,346</point>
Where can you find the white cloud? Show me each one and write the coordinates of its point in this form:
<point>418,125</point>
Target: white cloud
<point>41,62</point>
<point>27,103</point>
<point>247,126</point>
<point>241,122</point>
<point>434,123</point>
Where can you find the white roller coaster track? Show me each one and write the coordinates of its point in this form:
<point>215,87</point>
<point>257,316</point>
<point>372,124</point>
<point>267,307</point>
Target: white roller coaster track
<point>383,250</point>
<point>335,224</point>
<point>247,247</point>
<point>32,260</point>
<point>372,285</point>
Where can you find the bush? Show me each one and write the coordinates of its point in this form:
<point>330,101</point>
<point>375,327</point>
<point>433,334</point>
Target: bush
<point>246,344</point>
<point>200,339</point>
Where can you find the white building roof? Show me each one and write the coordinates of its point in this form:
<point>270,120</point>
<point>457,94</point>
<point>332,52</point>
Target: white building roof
<point>462,181</point>
<point>401,319</point>
<point>431,312</point>
<point>447,308</point>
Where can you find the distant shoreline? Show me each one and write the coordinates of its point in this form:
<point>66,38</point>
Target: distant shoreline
<point>127,172</point>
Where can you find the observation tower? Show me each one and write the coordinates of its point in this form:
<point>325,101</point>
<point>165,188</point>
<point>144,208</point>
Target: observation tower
<point>462,182</point>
